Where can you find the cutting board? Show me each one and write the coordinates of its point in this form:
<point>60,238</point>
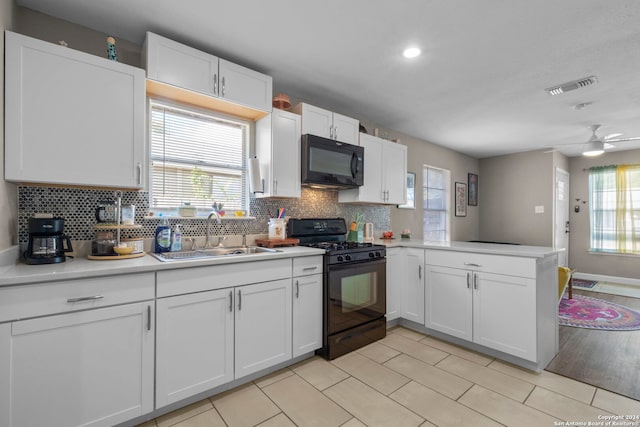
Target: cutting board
<point>115,257</point>
<point>272,243</point>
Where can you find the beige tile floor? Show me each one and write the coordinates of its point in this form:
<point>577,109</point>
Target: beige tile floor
<point>406,379</point>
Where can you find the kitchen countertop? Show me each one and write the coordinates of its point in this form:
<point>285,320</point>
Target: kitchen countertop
<point>78,268</point>
<point>484,248</point>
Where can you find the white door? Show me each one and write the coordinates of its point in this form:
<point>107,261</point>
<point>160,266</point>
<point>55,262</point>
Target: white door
<point>263,325</point>
<point>316,121</point>
<point>307,314</point>
<point>194,344</point>
<point>244,86</point>
<point>413,290</point>
<point>179,65</point>
<point>395,158</point>
<point>346,129</point>
<point>89,368</point>
<point>396,281</point>
<point>448,301</point>
<point>372,190</point>
<point>285,154</point>
<point>498,298</point>
<point>561,229</point>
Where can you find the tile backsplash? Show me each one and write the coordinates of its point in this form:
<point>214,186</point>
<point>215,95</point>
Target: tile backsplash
<point>77,206</point>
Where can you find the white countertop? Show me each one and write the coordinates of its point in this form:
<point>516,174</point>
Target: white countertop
<point>484,248</point>
<point>77,268</point>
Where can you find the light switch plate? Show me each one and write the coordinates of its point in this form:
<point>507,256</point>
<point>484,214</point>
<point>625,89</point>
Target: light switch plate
<point>539,209</point>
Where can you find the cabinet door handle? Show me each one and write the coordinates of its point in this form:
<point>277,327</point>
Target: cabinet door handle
<point>275,185</point>
<point>224,86</point>
<point>230,300</point>
<point>470,264</point>
<point>331,132</point>
<point>215,84</point>
<point>139,173</point>
<point>310,268</point>
<point>148,318</point>
<point>468,280</point>
<point>85,299</point>
<point>335,132</point>
<point>297,289</point>
<point>239,300</point>
<point>475,281</point>
<point>419,272</point>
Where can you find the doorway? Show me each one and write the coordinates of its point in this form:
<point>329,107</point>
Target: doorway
<point>561,227</point>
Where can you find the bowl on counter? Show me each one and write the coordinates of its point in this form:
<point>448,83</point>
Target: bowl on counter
<point>123,250</point>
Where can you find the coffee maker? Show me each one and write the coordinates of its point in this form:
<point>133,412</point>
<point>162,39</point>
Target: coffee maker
<point>47,242</point>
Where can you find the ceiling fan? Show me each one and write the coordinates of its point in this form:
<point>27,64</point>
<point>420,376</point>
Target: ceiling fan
<point>596,146</point>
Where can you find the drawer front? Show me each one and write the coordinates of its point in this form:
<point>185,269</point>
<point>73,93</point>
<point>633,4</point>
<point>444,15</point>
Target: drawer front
<point>198,279</point>
<point>19,302</point>
<point>499,264</point>
<point>307,265</point>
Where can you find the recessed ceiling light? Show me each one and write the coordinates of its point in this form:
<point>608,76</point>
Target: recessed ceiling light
<point>411,52</point>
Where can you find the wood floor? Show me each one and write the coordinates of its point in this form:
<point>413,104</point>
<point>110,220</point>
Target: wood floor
<point>605,359</point>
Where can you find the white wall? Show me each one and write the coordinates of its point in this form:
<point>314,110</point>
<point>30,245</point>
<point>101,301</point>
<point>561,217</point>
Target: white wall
<point>8,191</point>
<point>511,186</point>
<point>579,256</point>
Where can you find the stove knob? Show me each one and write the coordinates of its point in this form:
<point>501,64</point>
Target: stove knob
<point>371,255</point>
<point>378,254</point>
<point>340,259</point>
<point>347,257</point>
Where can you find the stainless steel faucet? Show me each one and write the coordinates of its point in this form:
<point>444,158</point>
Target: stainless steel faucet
<point>207,242</point>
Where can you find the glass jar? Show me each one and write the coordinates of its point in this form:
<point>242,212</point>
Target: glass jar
<point>277,229</point>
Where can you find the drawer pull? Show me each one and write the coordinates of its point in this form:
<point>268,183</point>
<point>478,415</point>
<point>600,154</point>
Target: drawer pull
<point>471,264</point>
<point>83,299</point>
<point>310,268</point>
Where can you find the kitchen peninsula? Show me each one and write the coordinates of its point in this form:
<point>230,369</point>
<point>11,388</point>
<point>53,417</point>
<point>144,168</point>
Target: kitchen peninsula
<point>494,298</point>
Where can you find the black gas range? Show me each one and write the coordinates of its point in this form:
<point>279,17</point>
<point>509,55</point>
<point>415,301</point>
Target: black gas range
<point>354,284</point>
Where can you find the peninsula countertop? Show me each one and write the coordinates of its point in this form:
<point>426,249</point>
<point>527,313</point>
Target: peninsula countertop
<point>476,247</point>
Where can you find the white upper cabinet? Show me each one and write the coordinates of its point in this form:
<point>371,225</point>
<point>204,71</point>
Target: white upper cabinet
<point>385,172</point>
<point>71,117</point>
<point>176,64</point>
<point>320,122</point>
<point>278,151</point>
<point>180,65</point>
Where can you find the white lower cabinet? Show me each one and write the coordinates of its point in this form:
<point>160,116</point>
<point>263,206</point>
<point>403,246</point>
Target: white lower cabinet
<point>86,368</point>
<point>307,314</point>
<point>494,310</point>
<point>396,272</point>
<point>207,338</point>
<point>413,307</point>
<point>194,344</point>
<point>262,326</point>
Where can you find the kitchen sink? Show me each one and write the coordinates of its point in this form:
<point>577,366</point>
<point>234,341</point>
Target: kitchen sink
<point>211,253</point>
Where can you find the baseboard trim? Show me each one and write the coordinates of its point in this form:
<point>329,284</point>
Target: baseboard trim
<point>610,279</point>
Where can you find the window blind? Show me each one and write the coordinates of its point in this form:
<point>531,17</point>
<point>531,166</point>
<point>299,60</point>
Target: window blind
<point>196,158</point>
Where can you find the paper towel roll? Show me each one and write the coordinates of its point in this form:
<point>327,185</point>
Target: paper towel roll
<point>255,180</point>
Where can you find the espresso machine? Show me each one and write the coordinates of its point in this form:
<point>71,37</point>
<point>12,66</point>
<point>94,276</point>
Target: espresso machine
<point>47,242</point>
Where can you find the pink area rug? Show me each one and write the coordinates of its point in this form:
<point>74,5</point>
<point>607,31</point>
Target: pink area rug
<point>593,313</point>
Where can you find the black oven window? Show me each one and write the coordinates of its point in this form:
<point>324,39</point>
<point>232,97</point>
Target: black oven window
<point>333,162</point>
<point>358,291</point>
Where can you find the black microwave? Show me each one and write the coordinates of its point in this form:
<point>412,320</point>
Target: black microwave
<point>331,164</point>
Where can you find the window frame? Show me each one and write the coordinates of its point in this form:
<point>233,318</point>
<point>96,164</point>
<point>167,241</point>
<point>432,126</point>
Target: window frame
<point>248,137</point>
<point>447,200</point>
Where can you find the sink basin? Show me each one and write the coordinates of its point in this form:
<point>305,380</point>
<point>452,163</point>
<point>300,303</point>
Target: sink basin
<point>211,253</point>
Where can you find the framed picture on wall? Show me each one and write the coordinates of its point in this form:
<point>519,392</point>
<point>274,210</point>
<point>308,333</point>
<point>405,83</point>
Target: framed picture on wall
<point>411,192</point>
<point>461,199</point>
<point>473,189</point>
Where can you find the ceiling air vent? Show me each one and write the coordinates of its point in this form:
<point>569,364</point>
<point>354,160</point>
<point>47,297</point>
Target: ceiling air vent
<point>577,84</point>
